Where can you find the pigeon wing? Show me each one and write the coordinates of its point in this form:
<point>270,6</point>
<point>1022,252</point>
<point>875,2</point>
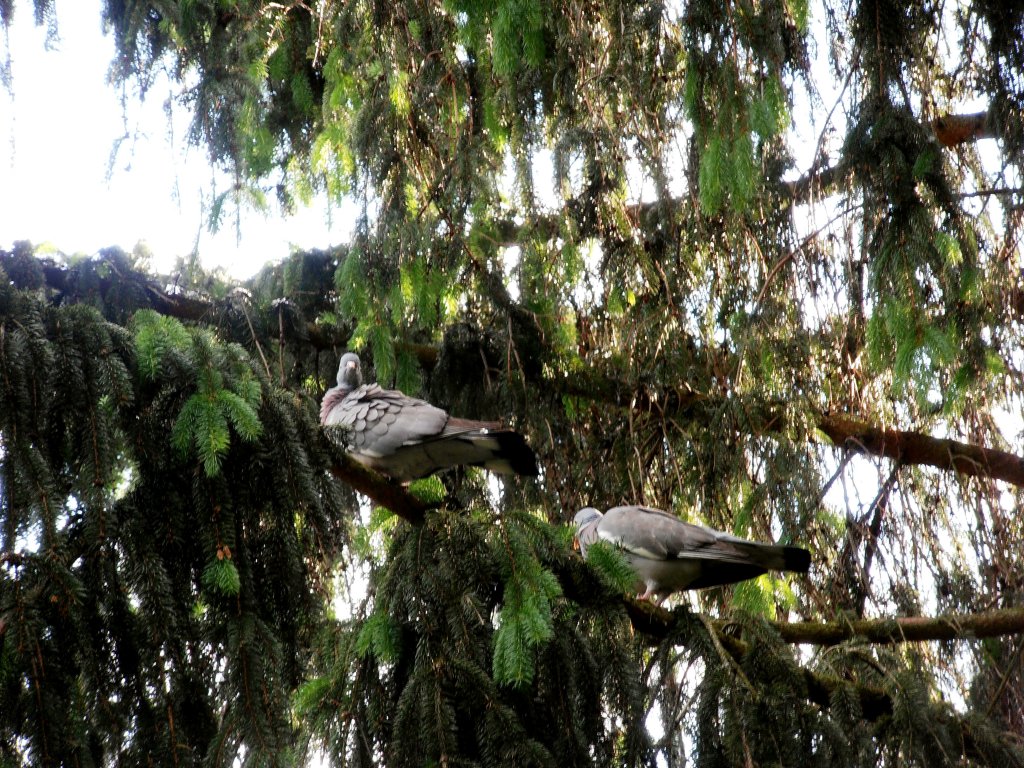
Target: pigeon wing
<point>654,534</point>
<point>381,421</point>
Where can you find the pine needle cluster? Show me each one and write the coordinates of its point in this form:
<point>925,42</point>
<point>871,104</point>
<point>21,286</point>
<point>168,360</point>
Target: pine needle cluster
<point>155,591</point>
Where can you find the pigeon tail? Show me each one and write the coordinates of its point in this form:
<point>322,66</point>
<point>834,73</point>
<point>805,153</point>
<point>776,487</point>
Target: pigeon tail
<point>796,559</point>
<point>509,452</point>
<point>512,454</point>
<point>773,557</point>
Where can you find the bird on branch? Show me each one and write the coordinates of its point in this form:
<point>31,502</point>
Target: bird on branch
<point>407,438</point>
<point>669,555</point>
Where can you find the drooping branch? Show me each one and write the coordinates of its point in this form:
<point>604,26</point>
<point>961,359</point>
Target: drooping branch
<point>910,447</point>
<point>964,626</point>
<point>950,130</point>
<point>905,446</point>
<point>656,624</point>
<point>380,489</point>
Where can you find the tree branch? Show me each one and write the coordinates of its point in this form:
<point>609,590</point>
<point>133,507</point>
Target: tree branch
<point>917,448</point>
<point>657,623</point>
<point>380,489</point>
<point>950,130</point>
<point>109,273</point>
<point>907,447</point>
<point>815,182</point>
<point>909,629</point>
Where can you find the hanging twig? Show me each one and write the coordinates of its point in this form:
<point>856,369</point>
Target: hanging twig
<point>256,341</point>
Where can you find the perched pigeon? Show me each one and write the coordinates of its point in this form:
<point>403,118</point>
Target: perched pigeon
<point>407,438</point>
<point>669,555</point>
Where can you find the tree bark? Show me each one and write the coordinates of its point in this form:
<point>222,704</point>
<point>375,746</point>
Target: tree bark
<point>904,446</point>
<point>656,623</point>
<point>916,448</point>
<point>380,489</point>
<point>909,629</point>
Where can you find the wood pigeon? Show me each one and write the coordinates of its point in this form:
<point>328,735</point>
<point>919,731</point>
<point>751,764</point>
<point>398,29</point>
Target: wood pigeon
<point>669,555</point>
<point>407,438</point>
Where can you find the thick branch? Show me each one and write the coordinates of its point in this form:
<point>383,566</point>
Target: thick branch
<point>1006,621</point>
<point>815,183</point>
<point>380,489</point>
<point>907,447</point>
<point>656,622</point>
<point>916,448</point>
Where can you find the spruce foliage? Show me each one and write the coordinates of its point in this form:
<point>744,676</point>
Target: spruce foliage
<point>152,608</point>
<point>724,259</point>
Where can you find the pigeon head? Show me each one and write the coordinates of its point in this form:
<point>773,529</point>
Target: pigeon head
<point>350,372</point>
<point>586,528</point>
<point>585,517</point>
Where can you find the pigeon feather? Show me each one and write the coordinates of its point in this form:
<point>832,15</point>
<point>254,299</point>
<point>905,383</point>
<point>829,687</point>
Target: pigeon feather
<point>408,438</point>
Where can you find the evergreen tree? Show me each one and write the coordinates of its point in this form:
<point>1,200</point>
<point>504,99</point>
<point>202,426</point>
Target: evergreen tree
<point>750,262</point>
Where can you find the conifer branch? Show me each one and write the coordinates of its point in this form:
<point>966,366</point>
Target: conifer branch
<point>909,629</point>
<point>910,447</point>
<point>950,130</point>
<point>379,489</point>
<point>112,274</point>
<point>656,623</point>
<point>904,446</point>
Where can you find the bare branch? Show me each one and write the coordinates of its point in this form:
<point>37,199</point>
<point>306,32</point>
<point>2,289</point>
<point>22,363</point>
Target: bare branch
<point>380,489</point>
<point>916,448</point>
<point>905,446</point>
<point>964,626</point>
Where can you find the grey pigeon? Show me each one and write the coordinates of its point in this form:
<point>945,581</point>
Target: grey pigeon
<point>407,438</point>
<point>669,555</point>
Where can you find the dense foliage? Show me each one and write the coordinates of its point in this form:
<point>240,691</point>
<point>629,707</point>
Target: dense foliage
<point>752,262</point>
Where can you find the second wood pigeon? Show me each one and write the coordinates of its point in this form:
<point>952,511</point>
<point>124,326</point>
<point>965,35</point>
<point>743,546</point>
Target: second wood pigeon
<point>669,555</point>
<point>407,438</point>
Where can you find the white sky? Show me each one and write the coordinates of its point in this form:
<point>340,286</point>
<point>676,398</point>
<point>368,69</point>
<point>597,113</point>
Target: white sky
<point>57,134</point>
